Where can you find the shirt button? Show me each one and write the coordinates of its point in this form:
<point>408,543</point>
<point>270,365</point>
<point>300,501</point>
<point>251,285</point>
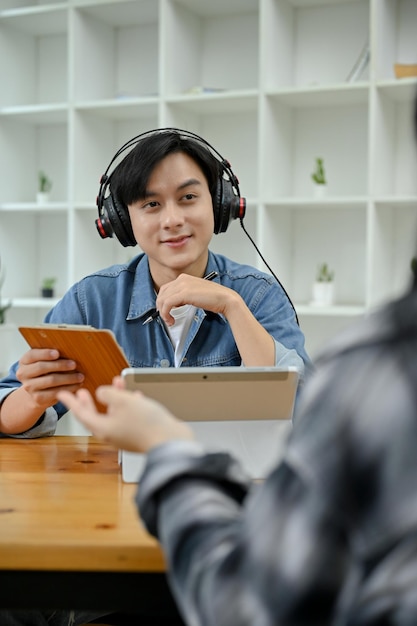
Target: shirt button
<point>164,363</point>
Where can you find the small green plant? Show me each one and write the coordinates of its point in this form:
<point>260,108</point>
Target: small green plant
<point>47,287</point>
<point>48,283</point>
<point>3,307</point>
<point>45,183</point>
<point>319,174</point>
<point>324,274</point>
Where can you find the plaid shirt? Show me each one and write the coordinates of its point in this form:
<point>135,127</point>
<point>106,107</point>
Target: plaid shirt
<point>331,536</point>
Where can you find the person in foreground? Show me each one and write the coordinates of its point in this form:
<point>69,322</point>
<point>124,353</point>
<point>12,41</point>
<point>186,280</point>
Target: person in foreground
<point>169,195</point>
<point>331,536</point>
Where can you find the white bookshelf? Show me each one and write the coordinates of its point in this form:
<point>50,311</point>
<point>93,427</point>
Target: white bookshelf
<point>79,78</point>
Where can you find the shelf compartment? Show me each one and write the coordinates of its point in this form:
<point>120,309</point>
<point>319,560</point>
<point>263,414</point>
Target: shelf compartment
<point>295,136</point>
<point>393,146</point>
<point>118,52</point>
<point>298,240</point>
<point>36,46</point>
<point>213,47</point>
<point>393,245</point>
<point>26,149</point>
<point>46,246</point>
<point>299,36</point>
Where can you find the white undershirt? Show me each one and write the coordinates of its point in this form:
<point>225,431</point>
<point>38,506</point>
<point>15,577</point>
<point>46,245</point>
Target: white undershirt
<point>183,316</point>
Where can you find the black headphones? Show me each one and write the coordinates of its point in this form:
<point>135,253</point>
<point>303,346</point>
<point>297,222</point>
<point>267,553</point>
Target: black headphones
<point>113,215</point>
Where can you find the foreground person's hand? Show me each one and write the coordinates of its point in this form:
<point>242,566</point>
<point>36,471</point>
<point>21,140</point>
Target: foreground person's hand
<point>132,422</point>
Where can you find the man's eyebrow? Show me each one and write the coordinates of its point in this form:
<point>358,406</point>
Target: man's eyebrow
<point>148,194</point>
<point>188,183</point>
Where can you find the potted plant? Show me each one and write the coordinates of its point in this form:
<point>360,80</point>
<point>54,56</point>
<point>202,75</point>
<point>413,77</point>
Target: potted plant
<point>3,306</point>
<point>319,178</point>
<point>44,187</point>
<point>47,289</point>
<point>323,286</point>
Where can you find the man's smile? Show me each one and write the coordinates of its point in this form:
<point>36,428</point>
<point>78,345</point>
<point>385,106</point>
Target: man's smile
<point>176,242</point>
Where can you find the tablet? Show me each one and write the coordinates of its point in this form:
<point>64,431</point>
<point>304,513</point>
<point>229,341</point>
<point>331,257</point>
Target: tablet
<point>243,411</point>
<point>96,351</point>
<point>219,393</point>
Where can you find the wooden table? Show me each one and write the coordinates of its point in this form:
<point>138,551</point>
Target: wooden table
<point>69,530</point>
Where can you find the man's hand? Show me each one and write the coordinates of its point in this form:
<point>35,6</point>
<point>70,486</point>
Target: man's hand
<point>43,373</point>
<point>186,289</point>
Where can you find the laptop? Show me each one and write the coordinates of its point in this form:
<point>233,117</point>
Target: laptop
<point>244,411</point>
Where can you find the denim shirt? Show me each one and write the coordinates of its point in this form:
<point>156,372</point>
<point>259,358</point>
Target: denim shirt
<point>121,297</point>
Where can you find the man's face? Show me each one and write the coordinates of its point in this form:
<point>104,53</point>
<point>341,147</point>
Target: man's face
<point>174,223</point>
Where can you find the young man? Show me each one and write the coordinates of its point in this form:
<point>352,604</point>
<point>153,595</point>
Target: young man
<point>169,194</point>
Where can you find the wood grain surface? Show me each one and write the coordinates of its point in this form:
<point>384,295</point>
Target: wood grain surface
<point>64,506</point>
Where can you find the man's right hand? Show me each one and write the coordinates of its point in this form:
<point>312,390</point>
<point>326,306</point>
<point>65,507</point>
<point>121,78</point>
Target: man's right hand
<point>43,374</point>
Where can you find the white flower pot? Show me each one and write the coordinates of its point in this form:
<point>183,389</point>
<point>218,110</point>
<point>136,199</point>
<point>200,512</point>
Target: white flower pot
<point>320,191</point>
<point>42,197</point>
<point>322,293</point>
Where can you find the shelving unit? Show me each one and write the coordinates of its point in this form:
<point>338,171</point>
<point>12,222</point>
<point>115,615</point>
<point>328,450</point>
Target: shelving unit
<point>262,80</point>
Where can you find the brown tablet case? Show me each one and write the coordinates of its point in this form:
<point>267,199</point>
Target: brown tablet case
<point>96,351</point>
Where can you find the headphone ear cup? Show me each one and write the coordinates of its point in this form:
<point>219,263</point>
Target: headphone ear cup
<point>118,217</point>
<point>227,206</point>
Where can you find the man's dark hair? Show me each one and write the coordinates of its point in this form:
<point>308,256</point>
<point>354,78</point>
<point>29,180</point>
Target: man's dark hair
<point>129,180</point>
